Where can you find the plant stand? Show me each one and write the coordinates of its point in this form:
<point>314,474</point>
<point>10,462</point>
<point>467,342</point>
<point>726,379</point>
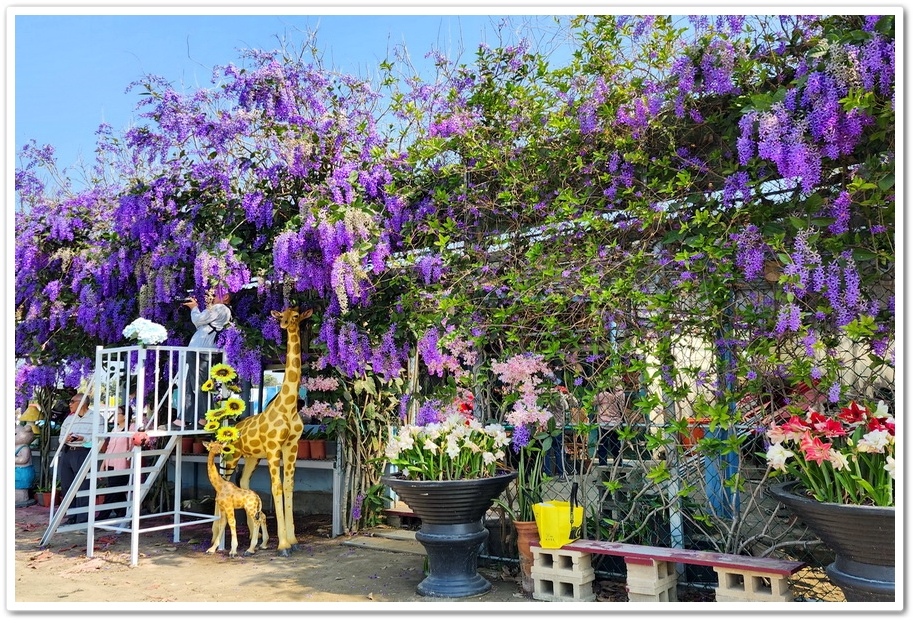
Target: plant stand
<point>452,529</point>
<point>862,537</point>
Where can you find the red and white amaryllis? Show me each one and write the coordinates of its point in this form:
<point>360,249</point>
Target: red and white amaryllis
<point>847,458</point>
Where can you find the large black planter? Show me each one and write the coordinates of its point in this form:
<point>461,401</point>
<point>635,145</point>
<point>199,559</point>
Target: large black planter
<point>862,537</point>
<point>452,529</point>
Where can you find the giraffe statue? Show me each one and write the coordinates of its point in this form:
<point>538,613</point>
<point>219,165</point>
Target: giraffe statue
<point>228,498</point>
<point>274,434</point>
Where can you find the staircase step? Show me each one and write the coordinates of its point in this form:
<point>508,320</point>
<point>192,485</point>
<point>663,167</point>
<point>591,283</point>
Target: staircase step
<point>388,544</point>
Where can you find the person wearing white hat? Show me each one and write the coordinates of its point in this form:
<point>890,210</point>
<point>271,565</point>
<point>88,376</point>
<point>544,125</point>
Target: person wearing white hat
<point>209,322</point>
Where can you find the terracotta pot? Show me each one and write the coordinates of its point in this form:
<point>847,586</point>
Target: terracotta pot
<point>44,498</point>
<point>187,445</point>
<point>304,449</point>
<point>317,448</point>
<point>198,448</point>
<point>526,531</point>
<point>697,430</point>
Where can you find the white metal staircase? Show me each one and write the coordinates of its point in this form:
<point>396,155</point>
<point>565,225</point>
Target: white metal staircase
<point>121,377</point>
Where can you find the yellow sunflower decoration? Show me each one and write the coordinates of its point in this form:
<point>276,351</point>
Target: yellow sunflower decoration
<point>219,419</point>
<point>222,373</point>
<point>234,406</point>
<point>227,434</point>
<point>217,413</point>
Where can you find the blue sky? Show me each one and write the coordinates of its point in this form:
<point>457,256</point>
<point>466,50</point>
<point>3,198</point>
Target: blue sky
<point>71,71</point>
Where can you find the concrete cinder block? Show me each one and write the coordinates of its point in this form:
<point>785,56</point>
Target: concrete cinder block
<point>561,560</point>
<point>750,586</point>
<point>552,589</point>
<point>577,577</point>
<point>669,595</point>
<point>652,582</point>
<point>562,576</point>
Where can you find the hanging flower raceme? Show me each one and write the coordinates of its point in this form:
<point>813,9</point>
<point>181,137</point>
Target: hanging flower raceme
<point>229,406</point>
<point>844,459</point>
<point>145,332</point>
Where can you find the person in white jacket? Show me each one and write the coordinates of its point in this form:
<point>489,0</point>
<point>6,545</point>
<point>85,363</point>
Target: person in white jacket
<point>209,322</point>
<point>76,434</point>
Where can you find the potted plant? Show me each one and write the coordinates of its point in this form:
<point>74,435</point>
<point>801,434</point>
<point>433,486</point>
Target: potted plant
<point>43,494</point>
<point>842,472</point>
<point>449,469</point>
<point>330,441</point>
<point>528,393</point>
<point>324,412</point>
<point>303,448</point>
<point>197,445</point>
<point>315,439</point>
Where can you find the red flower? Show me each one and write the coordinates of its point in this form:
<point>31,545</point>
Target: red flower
<point>816,420</point>
<point>830,428</point>
<point>853,413</point>
<point>814,449</point>
<point>797,425</point>
<point>881,424</point>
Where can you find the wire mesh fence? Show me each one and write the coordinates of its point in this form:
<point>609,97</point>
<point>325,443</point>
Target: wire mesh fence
<point>683,462</point>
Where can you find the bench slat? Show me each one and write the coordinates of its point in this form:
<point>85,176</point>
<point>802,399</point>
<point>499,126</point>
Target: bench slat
<point>645,554</point>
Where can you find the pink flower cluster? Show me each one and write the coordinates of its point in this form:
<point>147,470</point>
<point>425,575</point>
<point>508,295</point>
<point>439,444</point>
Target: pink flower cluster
<point>525,374</point>
<point>320,384</point>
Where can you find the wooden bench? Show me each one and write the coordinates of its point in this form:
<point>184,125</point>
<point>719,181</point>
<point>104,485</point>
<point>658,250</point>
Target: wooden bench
<point>400,516</point>
<point>566,574</point>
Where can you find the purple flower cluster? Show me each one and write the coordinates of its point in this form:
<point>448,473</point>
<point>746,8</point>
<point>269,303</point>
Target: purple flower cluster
<point>281,173</point>
<point>750,252</point>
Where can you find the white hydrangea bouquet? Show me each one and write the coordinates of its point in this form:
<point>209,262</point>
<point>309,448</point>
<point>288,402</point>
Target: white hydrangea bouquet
<point>145,332</point>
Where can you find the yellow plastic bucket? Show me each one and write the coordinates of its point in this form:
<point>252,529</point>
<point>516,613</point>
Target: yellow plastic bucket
<point>556,525</point>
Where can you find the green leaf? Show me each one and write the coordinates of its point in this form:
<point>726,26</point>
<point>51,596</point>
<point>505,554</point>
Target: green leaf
<point>886,182</point>
<point>860,254</point>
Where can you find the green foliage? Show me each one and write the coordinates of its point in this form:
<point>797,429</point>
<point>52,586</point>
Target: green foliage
<point>580,210</point>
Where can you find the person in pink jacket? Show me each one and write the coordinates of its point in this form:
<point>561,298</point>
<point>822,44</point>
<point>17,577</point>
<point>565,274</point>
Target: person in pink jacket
<point>117,444</point>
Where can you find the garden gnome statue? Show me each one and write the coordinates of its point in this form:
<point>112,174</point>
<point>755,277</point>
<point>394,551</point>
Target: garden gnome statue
<point>25,472</point>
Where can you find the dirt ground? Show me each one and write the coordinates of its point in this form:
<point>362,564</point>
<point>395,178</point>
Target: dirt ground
<point>328,570</point>
<point>378,571</point>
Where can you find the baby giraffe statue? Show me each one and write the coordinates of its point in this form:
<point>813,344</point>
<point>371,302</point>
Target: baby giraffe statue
<point>228,498</point>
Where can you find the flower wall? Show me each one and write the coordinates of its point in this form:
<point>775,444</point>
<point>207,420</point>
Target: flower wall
<point>697,211</point>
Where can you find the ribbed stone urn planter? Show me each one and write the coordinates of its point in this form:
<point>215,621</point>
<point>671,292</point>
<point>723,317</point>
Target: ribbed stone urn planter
<point>452,530</point>
<point>862,537</point>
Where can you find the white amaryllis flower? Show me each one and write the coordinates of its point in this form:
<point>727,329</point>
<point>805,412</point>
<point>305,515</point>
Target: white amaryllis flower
<point>874,442</point>
<point>452,448</point>
<point>430,444</point>
<point>777,456</point>
<point>881,409</point>
<point>838,460</point>
<point>890,466</point>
